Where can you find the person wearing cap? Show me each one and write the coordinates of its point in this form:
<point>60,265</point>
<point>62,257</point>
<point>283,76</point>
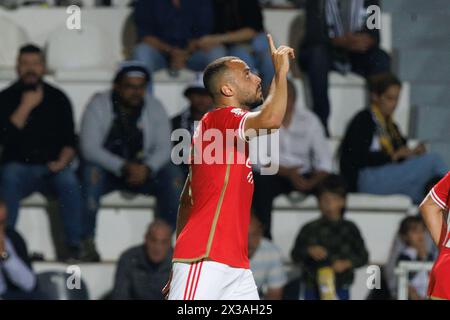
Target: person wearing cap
<point>200,102</point>
<point>38,139</point>
<point>125,145</point>
<point>167,31</point>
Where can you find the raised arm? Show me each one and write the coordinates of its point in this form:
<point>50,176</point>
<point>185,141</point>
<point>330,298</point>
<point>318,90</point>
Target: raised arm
<point>273,109</point>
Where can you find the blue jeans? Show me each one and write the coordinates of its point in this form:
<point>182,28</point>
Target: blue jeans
<point>408,177</point>
<point>313,294</point>
<point>317,61</point>
<point>155,60</point>
<point>19,180</point>
<point>165,185</point>
<point>256,55</point>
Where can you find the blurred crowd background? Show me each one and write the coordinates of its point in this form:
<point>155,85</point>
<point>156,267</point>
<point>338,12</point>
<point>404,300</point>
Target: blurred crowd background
<point>352,170</point>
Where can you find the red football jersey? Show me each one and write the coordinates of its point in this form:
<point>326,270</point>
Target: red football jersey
<point>221,189</point>
<point>441,195</point>
<point>439,285</point>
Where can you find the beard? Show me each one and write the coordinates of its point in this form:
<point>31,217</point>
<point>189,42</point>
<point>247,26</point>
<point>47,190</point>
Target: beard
<point>28,84</point>
<point>131,103</point>
<point>256,100</point>
<point>255,103</point>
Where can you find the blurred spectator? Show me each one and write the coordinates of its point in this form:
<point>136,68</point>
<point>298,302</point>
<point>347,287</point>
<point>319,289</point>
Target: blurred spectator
<point>167,30</point>
<point>239,31</point>
<point>399,246</point>
<point>337,38</point>
<point>413,233</point>
<point>17,280</point>
<point>200,102</point>
<point>374,156</point>
<point>278,3</point>
<point>330,241</point>
<point>265,263</point>
<point>304,159</point>
<point>143,271</point>
<point>39,143</point>
<point>125,144</point>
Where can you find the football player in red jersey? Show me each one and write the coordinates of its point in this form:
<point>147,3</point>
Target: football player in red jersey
<point>210,258</point>
<point>435,209</point>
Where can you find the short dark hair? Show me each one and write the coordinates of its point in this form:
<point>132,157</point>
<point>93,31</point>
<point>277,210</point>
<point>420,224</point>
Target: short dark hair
<point>380,83</point>
<point>408,223</point>
<point>333,183</point>
<point>30,48</point>
<point>214,70</point>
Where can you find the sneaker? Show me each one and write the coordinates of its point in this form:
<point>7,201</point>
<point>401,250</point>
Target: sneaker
<point>89,251</point>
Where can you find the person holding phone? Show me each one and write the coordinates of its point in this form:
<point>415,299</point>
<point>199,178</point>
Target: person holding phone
<point>374,155</point>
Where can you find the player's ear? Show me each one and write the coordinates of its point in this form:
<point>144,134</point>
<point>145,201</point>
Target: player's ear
<point>226,90</point>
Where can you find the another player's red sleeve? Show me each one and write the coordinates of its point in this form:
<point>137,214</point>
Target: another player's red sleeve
<point>233,118</point>
<point>440,192</point>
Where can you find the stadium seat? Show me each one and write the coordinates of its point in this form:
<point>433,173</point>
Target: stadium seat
<point>80,54</point>
<point>12,37</point>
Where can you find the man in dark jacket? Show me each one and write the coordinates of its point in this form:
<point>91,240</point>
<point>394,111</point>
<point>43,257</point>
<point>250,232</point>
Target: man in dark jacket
<point>143,271</point>
<point>330,241</point>
<point>39,143</point>
<point>338,37</point>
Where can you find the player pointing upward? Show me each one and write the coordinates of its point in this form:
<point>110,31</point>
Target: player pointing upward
<point>210,256</point>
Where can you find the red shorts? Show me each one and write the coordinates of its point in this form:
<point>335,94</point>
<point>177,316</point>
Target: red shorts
<point>439,286</point>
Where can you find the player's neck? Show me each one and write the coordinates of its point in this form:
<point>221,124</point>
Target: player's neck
<point>223,103</point>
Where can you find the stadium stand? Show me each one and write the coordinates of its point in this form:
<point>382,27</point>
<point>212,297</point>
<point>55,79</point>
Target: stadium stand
<point>377,217</point>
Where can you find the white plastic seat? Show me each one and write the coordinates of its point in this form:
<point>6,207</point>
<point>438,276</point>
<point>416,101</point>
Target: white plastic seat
<point>12,37</point>
<point>77,50</point>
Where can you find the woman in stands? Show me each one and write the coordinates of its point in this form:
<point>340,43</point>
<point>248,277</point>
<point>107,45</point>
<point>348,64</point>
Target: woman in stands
<point>374,156</point>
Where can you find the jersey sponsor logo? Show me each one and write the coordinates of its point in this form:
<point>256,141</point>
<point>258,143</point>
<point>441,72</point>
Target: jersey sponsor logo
<point>237,111</point>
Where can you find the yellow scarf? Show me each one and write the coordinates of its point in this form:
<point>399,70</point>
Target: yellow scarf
<point>389,136</point>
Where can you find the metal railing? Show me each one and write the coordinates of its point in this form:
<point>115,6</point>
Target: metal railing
<point>402,271</point>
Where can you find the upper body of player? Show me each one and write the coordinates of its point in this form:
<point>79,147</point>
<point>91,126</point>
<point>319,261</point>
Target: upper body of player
<point>435,209</point>
<point>214,211</point>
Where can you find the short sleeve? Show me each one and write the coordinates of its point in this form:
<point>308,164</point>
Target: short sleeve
<point>440,192</point>
<point>233,118</point>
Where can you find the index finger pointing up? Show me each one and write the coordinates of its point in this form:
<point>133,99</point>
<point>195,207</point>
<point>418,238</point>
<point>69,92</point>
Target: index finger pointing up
<point>271,44</point>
